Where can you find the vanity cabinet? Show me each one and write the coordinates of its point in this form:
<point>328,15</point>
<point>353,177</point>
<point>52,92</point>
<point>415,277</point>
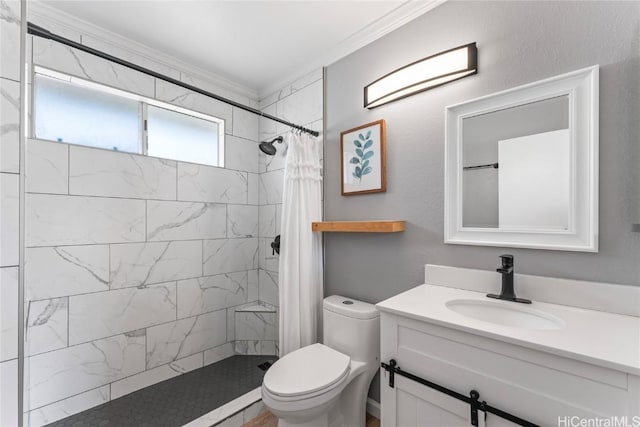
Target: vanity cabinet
<point>534,385</point>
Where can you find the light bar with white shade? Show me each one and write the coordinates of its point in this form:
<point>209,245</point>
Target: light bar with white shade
<point>422,75</point>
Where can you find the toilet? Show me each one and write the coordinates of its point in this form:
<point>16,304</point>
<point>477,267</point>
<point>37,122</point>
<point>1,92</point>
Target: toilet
<point>326,385</point>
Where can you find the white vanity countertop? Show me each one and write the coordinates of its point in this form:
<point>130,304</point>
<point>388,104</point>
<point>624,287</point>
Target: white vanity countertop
<point>603,339</point>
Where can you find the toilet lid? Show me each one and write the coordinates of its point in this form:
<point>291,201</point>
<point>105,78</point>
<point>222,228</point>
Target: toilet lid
<point>309,369</point>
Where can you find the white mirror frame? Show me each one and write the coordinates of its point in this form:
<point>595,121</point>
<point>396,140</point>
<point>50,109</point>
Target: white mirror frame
<point>582,235</point>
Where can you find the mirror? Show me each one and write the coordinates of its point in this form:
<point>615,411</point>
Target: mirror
<point>515,165</point>
<point>521,166</point>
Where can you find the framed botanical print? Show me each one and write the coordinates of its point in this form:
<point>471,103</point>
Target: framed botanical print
<point>363,151</point>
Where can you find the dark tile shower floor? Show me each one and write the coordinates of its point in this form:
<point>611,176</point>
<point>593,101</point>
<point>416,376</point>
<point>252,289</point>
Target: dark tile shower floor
<point>179,400</point>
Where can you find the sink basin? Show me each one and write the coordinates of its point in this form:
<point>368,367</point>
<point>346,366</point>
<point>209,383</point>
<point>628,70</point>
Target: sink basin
<point>505,313</point>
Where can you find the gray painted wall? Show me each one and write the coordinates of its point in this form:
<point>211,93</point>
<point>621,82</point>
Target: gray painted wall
<point>518,43</point>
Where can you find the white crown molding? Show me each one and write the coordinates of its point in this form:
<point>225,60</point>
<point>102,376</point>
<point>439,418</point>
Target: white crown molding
<point>47,13</point>
<point>398,17</point>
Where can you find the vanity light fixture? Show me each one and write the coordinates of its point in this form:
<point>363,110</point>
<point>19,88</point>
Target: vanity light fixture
<point>422,75</point>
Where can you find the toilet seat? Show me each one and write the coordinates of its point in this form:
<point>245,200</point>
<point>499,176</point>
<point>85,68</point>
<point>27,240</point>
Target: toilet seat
<point>307,372</point>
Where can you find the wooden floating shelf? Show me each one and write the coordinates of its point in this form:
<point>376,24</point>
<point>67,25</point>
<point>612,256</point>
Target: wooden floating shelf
<point>358,226</point>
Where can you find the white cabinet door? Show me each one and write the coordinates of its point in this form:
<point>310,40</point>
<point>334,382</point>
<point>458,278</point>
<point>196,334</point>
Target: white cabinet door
<point>416,405</point>
<point>496,421</point>
<point>410,404</point>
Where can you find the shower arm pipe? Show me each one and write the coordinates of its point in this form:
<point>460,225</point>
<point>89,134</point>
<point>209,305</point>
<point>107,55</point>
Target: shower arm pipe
<point>38,31</point>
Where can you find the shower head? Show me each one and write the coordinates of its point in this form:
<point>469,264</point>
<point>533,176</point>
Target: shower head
<point>268,148</point>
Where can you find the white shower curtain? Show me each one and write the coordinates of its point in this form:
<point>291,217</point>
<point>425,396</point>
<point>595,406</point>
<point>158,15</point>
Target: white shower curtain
<point>300,277</point>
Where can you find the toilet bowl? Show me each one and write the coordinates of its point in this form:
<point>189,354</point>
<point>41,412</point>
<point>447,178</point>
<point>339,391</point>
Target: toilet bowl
<point>324,385</point>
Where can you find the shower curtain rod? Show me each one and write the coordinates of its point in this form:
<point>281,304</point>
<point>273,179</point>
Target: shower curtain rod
<point>46,34</point>
<point>487,166</point>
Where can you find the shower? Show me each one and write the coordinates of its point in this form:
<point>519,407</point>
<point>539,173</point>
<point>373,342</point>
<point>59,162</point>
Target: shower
<point>225,325</point>
<point>268,148</point>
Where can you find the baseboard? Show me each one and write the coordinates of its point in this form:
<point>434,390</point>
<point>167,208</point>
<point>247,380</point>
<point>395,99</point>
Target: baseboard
<point>373,407</point>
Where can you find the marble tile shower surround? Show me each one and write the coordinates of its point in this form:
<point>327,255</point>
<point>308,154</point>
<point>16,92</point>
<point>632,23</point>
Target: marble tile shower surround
<point>111,262</point>
<point>134,265</point>
<point>10,106</point>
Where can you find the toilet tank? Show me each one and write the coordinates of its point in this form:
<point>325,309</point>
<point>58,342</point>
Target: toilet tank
<point>352,327</point>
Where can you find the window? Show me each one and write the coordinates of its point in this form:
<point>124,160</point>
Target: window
<point>68,113</point>
<point>181,137</point>
<point>75,111</point>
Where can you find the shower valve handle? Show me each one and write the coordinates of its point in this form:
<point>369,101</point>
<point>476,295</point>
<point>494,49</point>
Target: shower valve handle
<point>275,245</point>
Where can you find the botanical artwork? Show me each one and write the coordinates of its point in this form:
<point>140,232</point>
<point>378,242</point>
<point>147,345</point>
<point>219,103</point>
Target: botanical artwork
<point>363,159</point>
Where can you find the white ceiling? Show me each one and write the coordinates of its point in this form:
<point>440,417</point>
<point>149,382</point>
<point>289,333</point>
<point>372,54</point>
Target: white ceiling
<point>260,45</point>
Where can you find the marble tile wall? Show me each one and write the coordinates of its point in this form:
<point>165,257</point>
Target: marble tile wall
<point>142,264</point>
<point>155,375</point>
<point>114,174</point>
<point>175,340</point>
<point>48,322</point>
<point>63,373</point>
<point>52,272</point>
<point>68,60</point>
<point>211,293</point>
<point>67,407</point>
<point>256,329</point>
<point>9,206</point>
<point>10,104</point>
<point>93,316</point>
<point>61,220</point>
<point>185,220</point>
<point>134,255</point>
<point>221,255</point>
<point>201,183</point>
<point>8,313</point>
<point>8,391</point>
<point>9,119</point>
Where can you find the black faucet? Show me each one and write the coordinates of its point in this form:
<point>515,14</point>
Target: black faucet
<point>507,293</point>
